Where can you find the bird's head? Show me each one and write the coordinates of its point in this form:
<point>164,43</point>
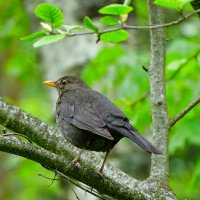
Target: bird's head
<point>66,83</point>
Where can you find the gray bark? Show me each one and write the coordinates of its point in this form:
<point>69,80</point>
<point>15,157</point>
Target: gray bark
<point>159,165</point>
<point>157,92</point>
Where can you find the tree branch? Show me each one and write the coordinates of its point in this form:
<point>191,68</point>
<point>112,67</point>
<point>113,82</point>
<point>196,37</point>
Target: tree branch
<point>181,66</point>
<point>57,153</point>
<point>124,26</point>
<point>178,21</point>
<point>141,99</point>
<point>51,161</point>
<point>159,166</point>
<point>186,110</point>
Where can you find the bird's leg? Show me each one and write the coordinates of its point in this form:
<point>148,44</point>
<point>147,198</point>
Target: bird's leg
<point>104,161</point>
<point>77,158</point>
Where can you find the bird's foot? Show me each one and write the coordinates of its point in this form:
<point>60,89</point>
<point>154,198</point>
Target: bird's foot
<point>100,174</point>
<point>76,160</point>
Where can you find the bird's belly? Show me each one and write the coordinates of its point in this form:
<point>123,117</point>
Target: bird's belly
<point>86,140</point>
<point>74,135</point>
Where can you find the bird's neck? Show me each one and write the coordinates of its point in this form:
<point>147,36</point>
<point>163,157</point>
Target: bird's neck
<point>73,87</point>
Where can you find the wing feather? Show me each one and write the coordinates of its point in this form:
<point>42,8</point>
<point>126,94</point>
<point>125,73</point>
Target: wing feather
<point>85,117</point>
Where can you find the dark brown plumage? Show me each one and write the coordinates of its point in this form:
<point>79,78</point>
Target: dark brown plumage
<point>90,121</point>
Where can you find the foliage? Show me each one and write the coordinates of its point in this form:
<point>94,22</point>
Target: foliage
<point>53,24</point>
<point>117,14</point>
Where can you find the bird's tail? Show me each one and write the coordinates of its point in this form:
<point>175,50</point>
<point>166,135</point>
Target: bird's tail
<point>138,139</point>
<point>143,143</point>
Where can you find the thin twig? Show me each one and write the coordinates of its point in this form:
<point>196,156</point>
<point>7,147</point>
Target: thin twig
<point>183,65</point>
<point>55,179</point>
<point>186,110</point>
<point>99,33</point>
<point>52,179</point>
<point>84,187</point>
<point>178,21</point>
<point>75,194</point>
<point>5,133</point>
<point>140,99</point>
<point>81,186</point>
<point>124,26</point>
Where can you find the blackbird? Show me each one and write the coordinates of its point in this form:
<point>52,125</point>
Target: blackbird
<point>90,121</point>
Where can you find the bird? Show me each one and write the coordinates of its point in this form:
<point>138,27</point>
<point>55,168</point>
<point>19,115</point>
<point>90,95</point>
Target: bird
<point>90,121</point>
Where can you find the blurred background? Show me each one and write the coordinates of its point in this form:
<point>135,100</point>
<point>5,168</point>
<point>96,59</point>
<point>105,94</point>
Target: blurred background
<point>116,71</point>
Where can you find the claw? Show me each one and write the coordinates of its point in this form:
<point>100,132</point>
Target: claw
<point>77,158</point>
<point>101,173</point>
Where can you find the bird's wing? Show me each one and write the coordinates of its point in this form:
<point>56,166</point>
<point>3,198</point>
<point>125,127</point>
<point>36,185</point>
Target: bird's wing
<point>85,117</point>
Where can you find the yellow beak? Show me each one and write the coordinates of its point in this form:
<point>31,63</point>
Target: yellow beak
<point>50,83</point>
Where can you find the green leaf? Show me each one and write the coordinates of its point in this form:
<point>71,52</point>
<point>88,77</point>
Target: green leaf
<point>48,40</point>
<point>50,13</point>
<point>72,27</point>
<point>116,9</point>
<point>176,4</point>
<point>114,36</point>
<point>34,36</point>
<point>109,20</point>
<point>89,24</point>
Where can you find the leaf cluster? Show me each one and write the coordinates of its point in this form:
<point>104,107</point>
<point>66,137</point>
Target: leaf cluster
<point>54,28</point>
<point>114,15</point>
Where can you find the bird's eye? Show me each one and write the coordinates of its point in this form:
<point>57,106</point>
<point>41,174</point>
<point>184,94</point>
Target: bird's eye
<point>64,82</point>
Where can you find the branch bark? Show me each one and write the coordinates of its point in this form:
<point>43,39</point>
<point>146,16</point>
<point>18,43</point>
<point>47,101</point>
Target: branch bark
<point>159,168</point>
<point>151,26</point>
<point>55,153</point>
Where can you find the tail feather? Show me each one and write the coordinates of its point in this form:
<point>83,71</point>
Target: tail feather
<point>138,139</point>
<point>143,143</point>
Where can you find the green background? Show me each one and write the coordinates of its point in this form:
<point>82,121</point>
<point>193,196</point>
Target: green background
<point>117,72</point>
